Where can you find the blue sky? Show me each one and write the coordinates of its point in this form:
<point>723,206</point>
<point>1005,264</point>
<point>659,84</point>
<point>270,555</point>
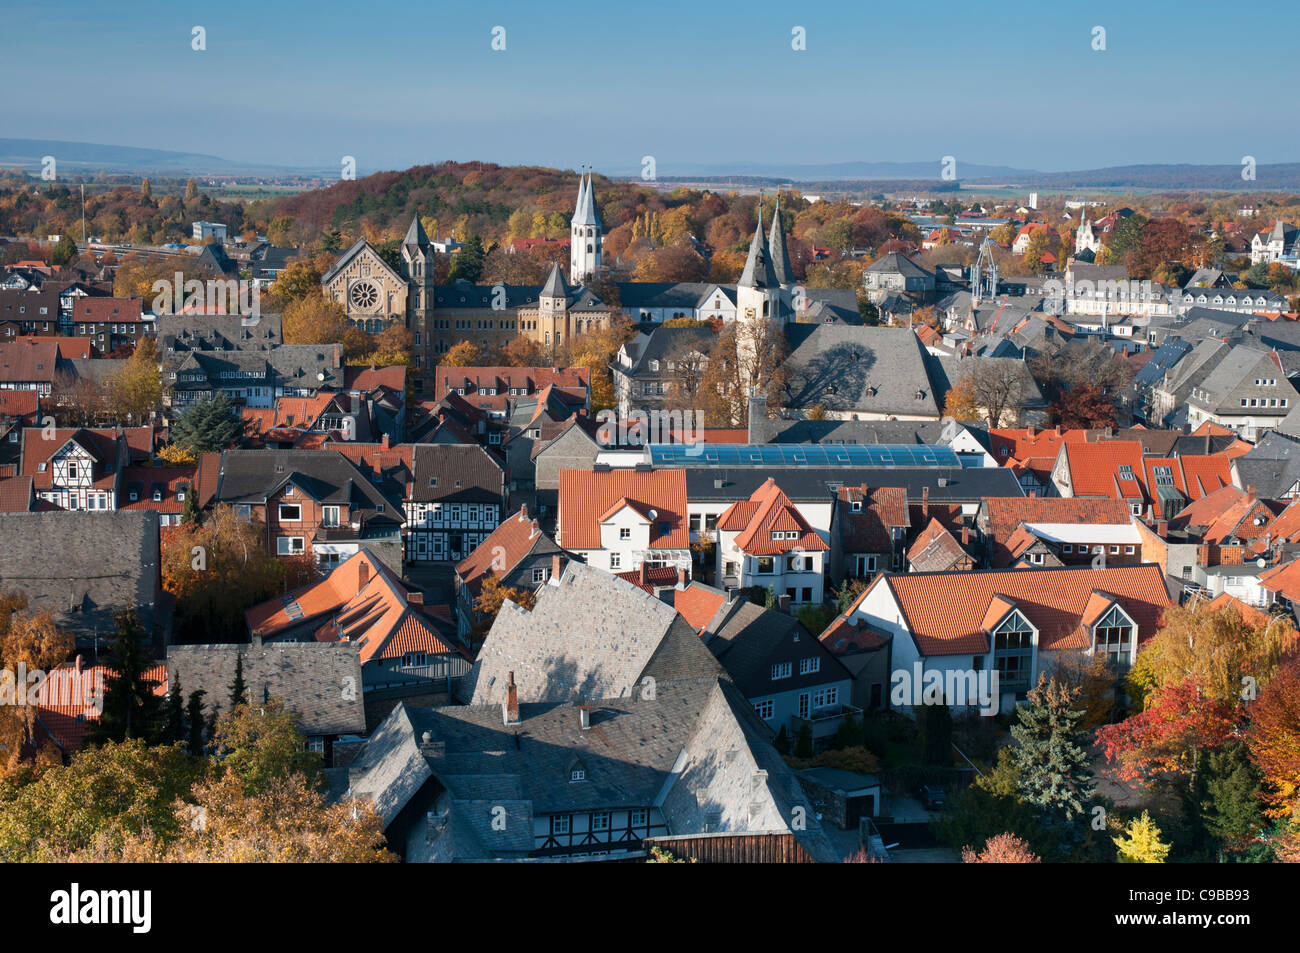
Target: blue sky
<point>289,82</point>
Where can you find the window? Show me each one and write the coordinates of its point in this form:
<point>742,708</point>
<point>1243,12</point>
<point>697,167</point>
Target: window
<point>289,545</point>
<point>638,817</point>
<point>825,698</point>
<point>1013,648</point>
<point>1112,636</point>
<point>781,670</point>
<point>600,820</point>
<point>329,516</point>
<point>559,823</point>
<point>1067,548</point>
<point>1114,550</point>
<point>624,532</point>
<point>539,575</point>
<point>72,470</point>
<point>615,561</point>
<point>578,774</point>
<point>856,506</point>
<point>1129,550</point>
<point>290,513</point>
<point>765,709</point>
<point>765,564</point>
<point>809,665</point>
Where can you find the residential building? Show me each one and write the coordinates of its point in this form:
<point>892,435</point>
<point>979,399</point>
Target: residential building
<point>456,499</point>
<point>617,519</point>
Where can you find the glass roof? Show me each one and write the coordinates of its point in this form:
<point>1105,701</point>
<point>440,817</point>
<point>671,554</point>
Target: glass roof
<point>802,455</point>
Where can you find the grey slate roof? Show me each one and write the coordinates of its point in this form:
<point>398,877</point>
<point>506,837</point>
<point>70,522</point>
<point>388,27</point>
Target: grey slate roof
<point>1272,467</point>
<point>590,635</point>
<point>251,476</point>
<point>84,567</point>
<point>758,272</point>
<point>464,473</point>
<point>860,368</point>
<point>780,253</point>
<point>319,681</point>
<point>780,430</point>
<point>816,484</point>
<point>694,748</point>
<point>898,263</point>
<point>743,636</point>
<point>415,235</point>
<point>555,286</point>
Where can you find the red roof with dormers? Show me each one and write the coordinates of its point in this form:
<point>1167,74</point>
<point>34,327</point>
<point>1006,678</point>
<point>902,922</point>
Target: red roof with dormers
<point>768,511</point>
<point>1098,469</point>
<point>951,613</point>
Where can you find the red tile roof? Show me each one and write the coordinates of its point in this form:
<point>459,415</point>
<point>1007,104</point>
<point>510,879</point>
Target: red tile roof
<point>1007,513</point>
<point>768,510</point>
<point>370,378</point>
<point>106,310</point>
<point>26,361</point>
<point>1283,580</point>
<point>586,494</point>
<point>501,552</point>
<point>172,479</point>
<point>70,348</point>
<point>697,604</point>
<point>1021,443</point>
<point>20,403</point>
<point>71,701</point>
<point>1095,469</point>
<point>949,613</point>
<point>935,548</point>
<point>870,529</point>
<point>16,495</point>
<point>361,601</point>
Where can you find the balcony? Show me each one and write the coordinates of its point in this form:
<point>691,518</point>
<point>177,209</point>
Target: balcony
<point>825,722</point>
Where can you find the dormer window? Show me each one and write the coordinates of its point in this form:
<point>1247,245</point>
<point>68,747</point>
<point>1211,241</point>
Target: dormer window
<point>856,506</point>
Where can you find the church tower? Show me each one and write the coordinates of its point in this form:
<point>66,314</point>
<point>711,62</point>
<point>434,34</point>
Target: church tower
<point>758,293</point>
<point>417,256</point>
<point>553,308</point>
<point>585,249</point>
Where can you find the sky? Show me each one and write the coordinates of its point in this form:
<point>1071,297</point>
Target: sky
<point>693,84</point>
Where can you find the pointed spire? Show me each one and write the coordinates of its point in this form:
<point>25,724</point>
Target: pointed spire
<point>555,286</point>
<point>758,271</point>
<point>777,248</point>
<point>585,212</point>
<point>415,235</point>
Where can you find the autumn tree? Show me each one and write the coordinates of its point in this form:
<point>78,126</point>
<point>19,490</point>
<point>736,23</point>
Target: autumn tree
<point>492,594</point>
<point>135,392</point>
<point>108,795</point>
<point>1167,738</point>
<point>1274,741</point>
<point>462,354</point>
<point>1085,406</point>
<point>1219,650</point>
<point>316,319</point>
<point>30,639</point>
<point>959,403</point>
<point>299,279</point>
<point>1094,680</point>
<point>1141,842</point>
<point>1001,849</point>
<point>216,571</point>
<point>747,354</point>
<point>997,390</point>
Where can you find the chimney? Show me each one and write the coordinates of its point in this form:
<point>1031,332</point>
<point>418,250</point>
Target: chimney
<point>523,513</point>
<point>414,598</point>
<point>584,717</point>
<point>385,442</point>
<point>1162,528</point>
<point>925,502</point>
<point>783,603</point>
<point>557,566</point>
<point>641,573</point>
<point>80,664</point>
<point>965,536</point>
<point>1250,494</point>
<point>363,573</point>
<point>510,707</point>
<point>1030,431</point>
<point>683,578</point>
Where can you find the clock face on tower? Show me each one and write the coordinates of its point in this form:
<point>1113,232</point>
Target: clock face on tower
<point>364,295</point>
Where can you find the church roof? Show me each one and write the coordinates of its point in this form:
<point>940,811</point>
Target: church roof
<point>585,212</point>
<point>776,245</point>
<point>554,287</point>
<point>758,271</point>
<point>415,234</point>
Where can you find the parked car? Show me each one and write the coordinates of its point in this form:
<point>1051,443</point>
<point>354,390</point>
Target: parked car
<point>930,796</point>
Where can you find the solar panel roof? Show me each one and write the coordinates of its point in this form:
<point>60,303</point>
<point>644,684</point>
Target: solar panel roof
<point>802,455</point>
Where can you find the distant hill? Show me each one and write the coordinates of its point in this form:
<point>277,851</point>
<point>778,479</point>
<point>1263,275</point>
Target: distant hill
<point>839,171</point>
<point>89,157</point>
<point>1278,177</point>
